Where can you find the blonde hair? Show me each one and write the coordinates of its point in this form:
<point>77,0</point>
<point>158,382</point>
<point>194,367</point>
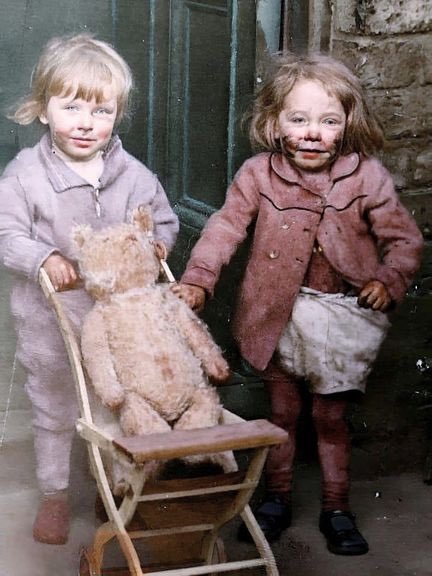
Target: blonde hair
<point>363,132</point>
<point>79,66</point>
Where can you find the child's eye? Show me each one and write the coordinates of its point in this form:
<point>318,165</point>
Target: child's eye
<point>71,107</point>
<point>297,120</point>
<point>103,111</point>
<point>331,122</point>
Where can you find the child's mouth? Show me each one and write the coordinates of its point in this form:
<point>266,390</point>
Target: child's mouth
<point>311,153</point>
<point>82,142</point>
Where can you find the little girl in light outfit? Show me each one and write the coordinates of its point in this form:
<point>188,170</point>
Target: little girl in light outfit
<point>78,173</point>
<point>333,251</point>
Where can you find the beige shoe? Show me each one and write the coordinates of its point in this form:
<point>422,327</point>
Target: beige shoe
<point>51,525</point>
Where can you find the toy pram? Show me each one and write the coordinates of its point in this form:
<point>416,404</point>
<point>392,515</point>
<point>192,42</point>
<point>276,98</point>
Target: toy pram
<point>177,519</point>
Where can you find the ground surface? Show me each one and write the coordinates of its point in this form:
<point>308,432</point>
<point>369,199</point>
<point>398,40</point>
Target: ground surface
<point>394,513</point>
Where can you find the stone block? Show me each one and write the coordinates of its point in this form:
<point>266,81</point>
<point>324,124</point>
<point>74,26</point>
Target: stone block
<point>399,160</point>
<point>410,162</point>
<point>375,17</point>
<point>423,167</point>
<point>372,62</point>
<point>405,112</point>
<point>427,59</point>
<point>419,203</point>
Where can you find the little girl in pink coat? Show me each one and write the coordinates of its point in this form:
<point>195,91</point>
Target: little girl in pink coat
<point>333,251</point>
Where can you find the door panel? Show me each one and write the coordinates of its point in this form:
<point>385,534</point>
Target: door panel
<point>199,102</point>
<point>204,100</point>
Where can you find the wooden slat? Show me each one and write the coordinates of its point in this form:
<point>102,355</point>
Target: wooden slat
<point>190,570</point>
<point>180,443</point>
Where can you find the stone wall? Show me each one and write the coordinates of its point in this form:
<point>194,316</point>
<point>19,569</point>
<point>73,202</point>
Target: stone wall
<point>389,45</point>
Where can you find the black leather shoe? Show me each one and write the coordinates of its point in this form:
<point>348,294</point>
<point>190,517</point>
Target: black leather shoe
<point>342,534</point>
<point>273,516</point>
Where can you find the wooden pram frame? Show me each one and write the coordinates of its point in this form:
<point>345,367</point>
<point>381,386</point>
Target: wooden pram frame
<point>183,499</point>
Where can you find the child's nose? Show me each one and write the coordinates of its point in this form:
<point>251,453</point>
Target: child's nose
<point>85,121</point>
<point>313,132</point>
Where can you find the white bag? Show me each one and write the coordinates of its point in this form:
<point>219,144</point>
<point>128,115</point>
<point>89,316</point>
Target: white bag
<point>331,341</point>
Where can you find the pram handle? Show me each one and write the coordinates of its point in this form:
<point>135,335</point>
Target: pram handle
<point>48,287</point>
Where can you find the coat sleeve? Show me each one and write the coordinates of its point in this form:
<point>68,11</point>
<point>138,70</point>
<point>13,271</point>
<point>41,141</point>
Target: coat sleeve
<point>20,250</point>
<point>399,240</point>
<point>224,231</point>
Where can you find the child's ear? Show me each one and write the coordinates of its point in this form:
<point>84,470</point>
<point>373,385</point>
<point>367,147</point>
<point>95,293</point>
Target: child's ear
<point>43,118</point>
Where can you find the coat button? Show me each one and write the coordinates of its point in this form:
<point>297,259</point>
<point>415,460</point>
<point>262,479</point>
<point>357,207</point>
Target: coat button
<point>285,226</point>
<point>274,254</point>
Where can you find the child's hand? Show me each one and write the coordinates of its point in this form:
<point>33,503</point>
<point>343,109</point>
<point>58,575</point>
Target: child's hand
<point>194,296</point>
<point>374,295</point>
<point>61,272</point>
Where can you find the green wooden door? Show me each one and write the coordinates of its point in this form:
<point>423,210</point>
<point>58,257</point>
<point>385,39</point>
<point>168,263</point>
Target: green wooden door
<point>199,66</point>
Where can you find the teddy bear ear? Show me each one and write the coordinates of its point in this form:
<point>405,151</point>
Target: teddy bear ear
<point>141,217</point>
<point>80,235</point>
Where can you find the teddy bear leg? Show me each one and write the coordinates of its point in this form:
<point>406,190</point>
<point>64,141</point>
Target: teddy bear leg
<point>206,411</point>
<point>137,417</point>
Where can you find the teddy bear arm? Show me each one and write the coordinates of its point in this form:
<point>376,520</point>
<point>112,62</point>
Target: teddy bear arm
<point>98,362</point>
<point>202,344</point>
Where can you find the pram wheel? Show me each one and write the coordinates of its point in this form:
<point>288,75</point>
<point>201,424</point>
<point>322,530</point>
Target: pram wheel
<point>84,566</point>
<point>219,553</point>
<point>218,557</point>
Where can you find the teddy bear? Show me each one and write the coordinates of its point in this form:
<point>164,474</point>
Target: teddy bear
<point>148,356</point>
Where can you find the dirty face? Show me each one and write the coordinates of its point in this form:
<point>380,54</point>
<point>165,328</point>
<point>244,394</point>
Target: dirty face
<point>311,126</point>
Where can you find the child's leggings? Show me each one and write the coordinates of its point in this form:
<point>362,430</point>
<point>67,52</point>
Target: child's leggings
<point>51,390</point>
<point>50,387</point>
<point>334,450</point>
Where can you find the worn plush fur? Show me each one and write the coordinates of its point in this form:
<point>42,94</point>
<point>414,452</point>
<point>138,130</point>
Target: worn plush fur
<point>148,356</point>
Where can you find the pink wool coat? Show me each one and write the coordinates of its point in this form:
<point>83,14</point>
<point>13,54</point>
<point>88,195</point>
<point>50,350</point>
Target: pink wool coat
<point>363,229</point>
